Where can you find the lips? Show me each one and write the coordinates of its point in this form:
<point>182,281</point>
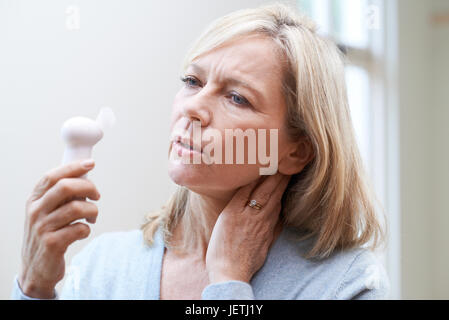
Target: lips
<point>188,143</point>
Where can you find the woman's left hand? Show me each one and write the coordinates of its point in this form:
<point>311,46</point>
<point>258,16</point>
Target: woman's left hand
<point>242,235</point>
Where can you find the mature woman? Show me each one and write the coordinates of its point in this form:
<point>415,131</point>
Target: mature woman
<point>307,230</point>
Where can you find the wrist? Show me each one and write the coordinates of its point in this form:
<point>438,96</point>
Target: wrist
<point>215,277</point>
<point>36,290</point>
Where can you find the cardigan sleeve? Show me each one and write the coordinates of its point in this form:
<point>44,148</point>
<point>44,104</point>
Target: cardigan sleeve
<point>17,293</point>
<point>228,290</point>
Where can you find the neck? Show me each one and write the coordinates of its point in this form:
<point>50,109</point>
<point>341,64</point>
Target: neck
<point>204,211</point>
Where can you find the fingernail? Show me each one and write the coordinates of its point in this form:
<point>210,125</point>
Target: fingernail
<point>88,164</point>
<point>91,220</point>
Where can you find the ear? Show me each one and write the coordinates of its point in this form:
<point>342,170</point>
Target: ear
<point>298,155</point>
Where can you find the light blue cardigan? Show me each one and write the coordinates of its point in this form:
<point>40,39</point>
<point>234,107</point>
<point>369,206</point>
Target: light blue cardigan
<point>120,265</point>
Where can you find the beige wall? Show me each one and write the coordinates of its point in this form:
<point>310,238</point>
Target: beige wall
<point>440,98</point>
<point>424,112</point>
<point>416,137</point>
<point>128,58</point>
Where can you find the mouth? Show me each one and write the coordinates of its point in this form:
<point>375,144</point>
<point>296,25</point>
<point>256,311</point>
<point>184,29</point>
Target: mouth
<point>185,145</point>
<point>188,144</point>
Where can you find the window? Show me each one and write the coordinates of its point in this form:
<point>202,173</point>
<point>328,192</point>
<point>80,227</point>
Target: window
<point>350,23</point>
<point>358,28</point>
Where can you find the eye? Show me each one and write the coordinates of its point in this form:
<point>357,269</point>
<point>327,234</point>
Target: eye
<point>191,81</point>
<point>238,99</point>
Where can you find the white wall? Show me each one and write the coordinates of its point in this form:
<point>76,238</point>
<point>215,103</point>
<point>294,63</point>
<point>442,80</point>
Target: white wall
<point>126,55</point>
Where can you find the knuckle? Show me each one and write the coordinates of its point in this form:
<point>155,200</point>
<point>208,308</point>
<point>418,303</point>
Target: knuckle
<point>39,228</point>
<point>76,207</point>
<point>91,184</point>
<point>93,188</point>
<point>32,211</point>
<point>264,196</point>
<point>73,166</point>
<point>83,230</point>
<point>94,208</point>
<point>91,210</point>
<point>51,242</point>
<point>43,183</point>
<point>64,186</point>
<point>46,180</point>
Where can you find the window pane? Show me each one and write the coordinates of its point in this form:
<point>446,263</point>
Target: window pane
<point>319,11</point>
<point>306,6</point>
<point>357,81</point>
<point>350,22</point>
<point>347,21</point>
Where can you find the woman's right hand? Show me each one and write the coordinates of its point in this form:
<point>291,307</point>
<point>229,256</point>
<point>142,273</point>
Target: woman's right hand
<point>51,210</point>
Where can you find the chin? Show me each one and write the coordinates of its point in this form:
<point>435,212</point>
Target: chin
<point>206,185</point>
<point>211,179</point>
<point>192,183</point>
<point>186,175</point>
<point>198,180</point>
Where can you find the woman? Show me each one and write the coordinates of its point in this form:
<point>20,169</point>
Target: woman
<point>229,232</point>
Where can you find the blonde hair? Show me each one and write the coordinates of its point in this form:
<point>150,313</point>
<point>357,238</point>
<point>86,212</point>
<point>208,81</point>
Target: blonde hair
<point>330,199</point>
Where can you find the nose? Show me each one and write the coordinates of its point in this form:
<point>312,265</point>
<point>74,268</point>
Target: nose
<point>198,107</point>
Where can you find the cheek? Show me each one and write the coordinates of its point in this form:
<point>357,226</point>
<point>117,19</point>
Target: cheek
<point>222,177</point>
<point>219,177</point>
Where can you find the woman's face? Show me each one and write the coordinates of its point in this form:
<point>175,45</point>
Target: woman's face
<point>236,86</point>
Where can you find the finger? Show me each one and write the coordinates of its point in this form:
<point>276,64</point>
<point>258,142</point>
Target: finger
<point>74,198</point>
<point>66,189</point>
<point>280,189</point>
<point>67,235</point>
<point>274,203</point>
<point>242,195</point>
<point>70,170</point>
<point>68,213</point>
<point>90,220</point>
<point>264,191</point>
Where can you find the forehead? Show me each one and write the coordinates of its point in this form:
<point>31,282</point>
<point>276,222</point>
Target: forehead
<point>252,57</point>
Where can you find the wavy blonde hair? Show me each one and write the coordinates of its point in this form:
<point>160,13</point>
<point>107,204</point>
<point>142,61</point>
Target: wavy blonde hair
<point>330,199</point>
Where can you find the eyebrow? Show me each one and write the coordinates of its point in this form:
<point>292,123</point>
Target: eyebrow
<point>232,81</point>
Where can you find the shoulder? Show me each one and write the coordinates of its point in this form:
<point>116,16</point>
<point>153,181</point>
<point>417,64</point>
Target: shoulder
<point>346,274</point>
<point>364,278</point>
